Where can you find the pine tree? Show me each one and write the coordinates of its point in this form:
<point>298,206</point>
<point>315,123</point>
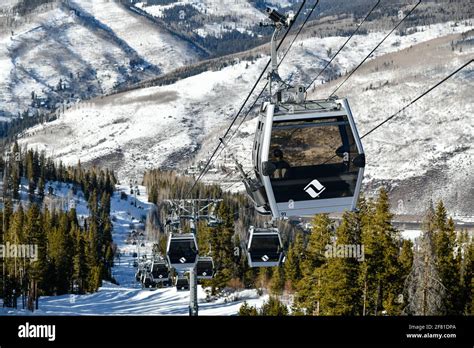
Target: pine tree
<point>380,276</point>
<point>80,260</point>
<point>277,281</point>
<point>273,307</point>
<point>308,296</point>
<point>321,236</point>
<point>339,296</point>
<point>294,260</point>
<point>466,253</point>
<point>247,310</point>
<point>447,264</point>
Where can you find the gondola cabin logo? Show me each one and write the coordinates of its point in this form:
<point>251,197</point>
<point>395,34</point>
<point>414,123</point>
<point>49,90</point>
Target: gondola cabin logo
<point>314,188</point>
<point>37,331</point>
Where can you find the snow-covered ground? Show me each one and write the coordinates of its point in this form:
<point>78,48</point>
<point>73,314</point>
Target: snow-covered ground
<point>92,46</point>
<point>8,4</point>
<point>156,46</point>
<point>242,13</point>
<point>128,297</point>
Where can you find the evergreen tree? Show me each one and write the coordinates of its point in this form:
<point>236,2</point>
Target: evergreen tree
<point>247,310</point>
<point>80,260</point>
<point>424,289</point>
<point>273,307</point>
<point>277,282</point>
<point>339,296</point>
<point>313,265</point>
<point>294,260</point>
<point>447,264</point>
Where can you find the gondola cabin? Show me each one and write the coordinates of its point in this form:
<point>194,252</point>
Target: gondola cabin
<point>160,271</point>
<point>182,283</point>
<point>205,268</point>
<point>264,248</point>
<point>182,251</point>
<point>308,159</point>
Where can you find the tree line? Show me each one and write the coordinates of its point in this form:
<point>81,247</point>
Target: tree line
<point>431,276</point>
<point>74,254</point>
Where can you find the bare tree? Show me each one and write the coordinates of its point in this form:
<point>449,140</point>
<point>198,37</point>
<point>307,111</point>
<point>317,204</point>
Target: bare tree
<point>424,290</point>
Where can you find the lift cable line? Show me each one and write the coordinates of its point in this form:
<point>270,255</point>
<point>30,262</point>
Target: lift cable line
<point>375,48</point>
<point>281,61</point>
<point>204,170</point>
<point>344,45</point>
<point>410,104</point>
<point>214,156</point>
<point>340,49</point>
<point>308,16</point>
<point>416,99</point>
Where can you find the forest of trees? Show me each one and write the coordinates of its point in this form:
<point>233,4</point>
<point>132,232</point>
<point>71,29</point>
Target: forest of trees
<point>73,255</point>
<point>397,276</point>
<point>432,276</point>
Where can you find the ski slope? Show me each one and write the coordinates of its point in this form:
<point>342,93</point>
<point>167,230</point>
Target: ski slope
<point>91,46</point>
<point>8,4</point>
<point>128,297</point>
<point>219,16</point>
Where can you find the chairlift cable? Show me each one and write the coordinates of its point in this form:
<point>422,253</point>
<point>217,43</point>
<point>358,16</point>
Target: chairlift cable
<point>204,170</point>
<point>375,48</point>
<point>410,103</point>
<point>264,87</point>
<point>344,45</point>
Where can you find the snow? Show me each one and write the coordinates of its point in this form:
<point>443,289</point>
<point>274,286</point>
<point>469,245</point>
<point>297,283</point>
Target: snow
<point>128,298</point>
<point>116,300</point>
<point>8,4</point>
<point>155,45</point>
<point>410,234</point>
<point>243,14</point>
<point>142,122</point>
<point>92,57</point>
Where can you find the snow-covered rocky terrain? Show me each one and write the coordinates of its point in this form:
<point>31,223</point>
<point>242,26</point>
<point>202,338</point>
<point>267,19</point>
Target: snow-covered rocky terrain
<point>243,15</point>
<point>127,297</point>
<point>425,153</point>
<point>79,49</point>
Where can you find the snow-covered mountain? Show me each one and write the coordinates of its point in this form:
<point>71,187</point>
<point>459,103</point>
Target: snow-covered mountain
<point>427,149</point>
<point>79,49</point>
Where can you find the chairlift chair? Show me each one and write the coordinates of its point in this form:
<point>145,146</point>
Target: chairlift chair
<point>182,283</point>
<point>160,271</point>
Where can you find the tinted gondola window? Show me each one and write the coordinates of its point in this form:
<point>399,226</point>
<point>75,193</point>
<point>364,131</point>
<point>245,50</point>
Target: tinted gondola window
<point>204,268</point>
<point>307,150</point>
<point>182,248</point>
<point>265,245</point>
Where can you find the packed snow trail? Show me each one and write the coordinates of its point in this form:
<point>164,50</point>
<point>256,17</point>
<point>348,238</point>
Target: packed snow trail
<point>128,298</point>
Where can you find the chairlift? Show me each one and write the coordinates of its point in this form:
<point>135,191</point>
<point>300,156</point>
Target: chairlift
<point>182,283</point>
<point>160,271</point>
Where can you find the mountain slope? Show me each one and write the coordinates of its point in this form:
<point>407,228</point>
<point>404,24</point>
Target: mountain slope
<point>90,53</point>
